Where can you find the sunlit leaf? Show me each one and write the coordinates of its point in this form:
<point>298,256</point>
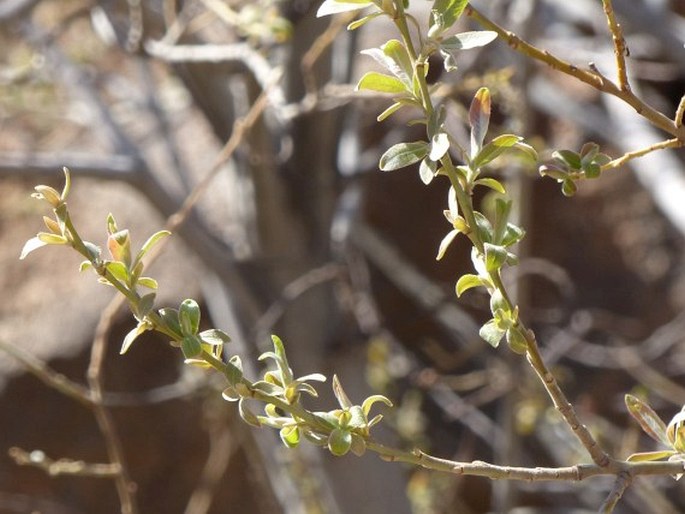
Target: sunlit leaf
<point>32,244</point>
<point>492,183</point>
<point>191,346</point>
<point>329,7</point>
<point>148,282</point>
<point>440,144</point>
<point>491,333</point>
<point>467,282</point>
<point>340,394</point>
<point>381,82</point>
<point>494,149</point>
<point>290,436</point>
<point>650,456</point>
<point>445,243</point>
<point>402,155</point>
<point>339,442</point>
<point>133,335</point>
<point>151,242</point>
<point>479,119</point>
<point>650,422</point>
<point>189,316</point>
<point>468,40</point>
<point>362,21</point>
<point>446,12</point>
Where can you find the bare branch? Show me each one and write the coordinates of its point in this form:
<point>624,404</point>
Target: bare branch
<point>620,49</point>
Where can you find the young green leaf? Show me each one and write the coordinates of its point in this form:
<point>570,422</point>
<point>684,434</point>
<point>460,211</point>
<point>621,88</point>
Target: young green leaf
<point>339,442</point>
<point>468,40</point>
<point>650,422</point>
<point>214,337</point>
<point>402,155</point>
<point>329,7</point>
<point>446,12</point>
<point>650,456</point>
<point>492,183</point>
<point>427,170</point>
<point>382,83</point>
<point>389,111</point>
<point>467,282</point>
<point>363,21</point>
<point>494,149</point>
<point>148,282</point>
<point>191,346</point>
<point>141,327</point>
<point>340,394</point>
<point>440,144</point>
<point>149,244</point>
<point>119,270</point>
<point>290,435</point>
<point>445,243</point>
<point>569,158</point>
<point>491,333</point>
<point>32,244</point>
<point>393,57</point>
<point>479,119</point>
<point>189,316</point>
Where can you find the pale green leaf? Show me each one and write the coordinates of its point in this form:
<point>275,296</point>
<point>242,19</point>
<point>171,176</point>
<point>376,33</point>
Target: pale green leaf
<point>445,243</point>
<point>362,21</point>
<point>491,333</point>
<point>650,422</point>
<point>440,144</point>
<point>189,316</point>
<point>427,170</point>
<point>402,155</point>
<point>494,149</point>
<point>468,40</point>
<point>389,111</point>
<point>650,456</point>
<point>152,241</point>
<point>467,282</point>
<point>446,12</point>
<point>148,282</point>
<point>214,337</point>
<point>32,244</point>
<point>133,334</point>
<point>492,183</point>
<point>329,7</point>
<point>382,83</point>
<point>479,119</point>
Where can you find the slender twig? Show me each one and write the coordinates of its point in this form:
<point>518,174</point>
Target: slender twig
<point>124,485</point>
<point>564,407</point>
<point>53,468</point>
<point>680,111</point>
<point>620,161</point>
<point>222,447</point>
<point>241,127</point>
<point>320,45</point>
<point>591,78</point>
<point>622,483</point>
<point>484,469</point>
<point>47,375</point>
<point>620,48</point>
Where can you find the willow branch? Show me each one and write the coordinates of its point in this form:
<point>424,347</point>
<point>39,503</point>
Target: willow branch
<point>620,48</point>
<point>53,468</point>
<point>621,484</point>
<point>48,376</point>
<point>561,403</point>
<point>484,469</point>
<point>620,161</point>
<point>591,77</point>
